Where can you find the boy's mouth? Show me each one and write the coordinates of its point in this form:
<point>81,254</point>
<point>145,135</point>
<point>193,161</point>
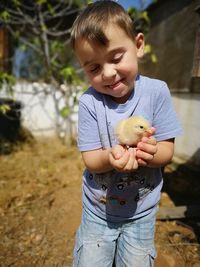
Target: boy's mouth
<point>114,85</point>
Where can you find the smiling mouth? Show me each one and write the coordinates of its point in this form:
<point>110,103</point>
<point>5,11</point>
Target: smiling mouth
<point>112,86</point>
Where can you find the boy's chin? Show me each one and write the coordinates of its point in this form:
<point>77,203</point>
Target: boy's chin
<point>120,99</point>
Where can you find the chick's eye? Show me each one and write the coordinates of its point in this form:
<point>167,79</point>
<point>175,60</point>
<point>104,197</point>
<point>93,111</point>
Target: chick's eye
<point>138,127</point>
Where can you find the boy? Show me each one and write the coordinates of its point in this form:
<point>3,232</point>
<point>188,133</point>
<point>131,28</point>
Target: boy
<point>121,185</point>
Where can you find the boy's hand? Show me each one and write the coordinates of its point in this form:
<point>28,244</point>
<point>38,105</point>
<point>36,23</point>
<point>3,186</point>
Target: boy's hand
<point>123,159</point>
<point>146,149</point>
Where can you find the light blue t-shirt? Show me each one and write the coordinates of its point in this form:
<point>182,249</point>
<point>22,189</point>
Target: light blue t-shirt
<point>116,196</point>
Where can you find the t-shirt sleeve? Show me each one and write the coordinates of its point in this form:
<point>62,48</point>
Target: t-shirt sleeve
<point>164,115</point>
<point>88,133</point>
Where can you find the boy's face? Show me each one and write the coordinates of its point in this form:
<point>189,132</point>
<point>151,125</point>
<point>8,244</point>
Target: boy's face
<point>112,69</point>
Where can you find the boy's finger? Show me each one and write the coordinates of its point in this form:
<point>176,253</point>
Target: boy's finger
<point>141,162</point>
<point>149,140</point>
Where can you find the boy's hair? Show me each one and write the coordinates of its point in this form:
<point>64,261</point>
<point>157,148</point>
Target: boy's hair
<point>93,20</point>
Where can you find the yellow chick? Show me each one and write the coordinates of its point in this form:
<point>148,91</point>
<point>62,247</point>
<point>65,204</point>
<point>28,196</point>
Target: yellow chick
<point>130,131</point>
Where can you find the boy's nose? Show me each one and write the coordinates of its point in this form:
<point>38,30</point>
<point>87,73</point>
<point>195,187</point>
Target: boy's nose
<point>109,72</point>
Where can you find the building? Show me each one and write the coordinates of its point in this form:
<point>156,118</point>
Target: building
<point>175,40</point>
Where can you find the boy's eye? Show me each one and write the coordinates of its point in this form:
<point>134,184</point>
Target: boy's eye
<point>94,69</point>
<point>117,58</point>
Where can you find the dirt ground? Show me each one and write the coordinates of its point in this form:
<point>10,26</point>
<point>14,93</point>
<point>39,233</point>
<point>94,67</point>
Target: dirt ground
<point>40,208</point>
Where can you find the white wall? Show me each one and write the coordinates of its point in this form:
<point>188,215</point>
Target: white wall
<point>188,110</point>
<point>38,113</point>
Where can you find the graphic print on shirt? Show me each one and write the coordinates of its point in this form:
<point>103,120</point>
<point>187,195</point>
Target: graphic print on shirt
<point>114,186</point>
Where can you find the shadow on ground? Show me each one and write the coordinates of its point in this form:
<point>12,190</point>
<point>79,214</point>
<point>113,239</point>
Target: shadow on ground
<point>182,184</point>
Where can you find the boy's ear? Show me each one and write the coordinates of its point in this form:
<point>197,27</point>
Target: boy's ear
<point>139,41</point>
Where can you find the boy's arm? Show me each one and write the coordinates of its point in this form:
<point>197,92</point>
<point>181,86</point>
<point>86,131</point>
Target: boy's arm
<point>117,157</point>
<point>97,161</point>
<point>155,155</point>
<point>164,154</point>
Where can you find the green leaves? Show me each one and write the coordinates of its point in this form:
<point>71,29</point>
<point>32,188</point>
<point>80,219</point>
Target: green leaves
<point>4,108</point>
<point>69,75</point>
<point>142,22</point>
<point>41,2</point>
<point>8,81</point>
<point>5,15</point>
<point>148,50</point>
<point>16,2</point>
<point>65,112</point>
<point>140,18</point>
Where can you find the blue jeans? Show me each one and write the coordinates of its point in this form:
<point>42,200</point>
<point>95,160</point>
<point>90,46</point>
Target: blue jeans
<point>100,243</point>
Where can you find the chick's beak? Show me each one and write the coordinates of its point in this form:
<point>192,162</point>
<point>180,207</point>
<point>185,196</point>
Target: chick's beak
<point>148,132</point>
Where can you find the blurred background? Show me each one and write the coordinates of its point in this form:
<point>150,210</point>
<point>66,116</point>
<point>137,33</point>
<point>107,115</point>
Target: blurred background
<point>40,167</point>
